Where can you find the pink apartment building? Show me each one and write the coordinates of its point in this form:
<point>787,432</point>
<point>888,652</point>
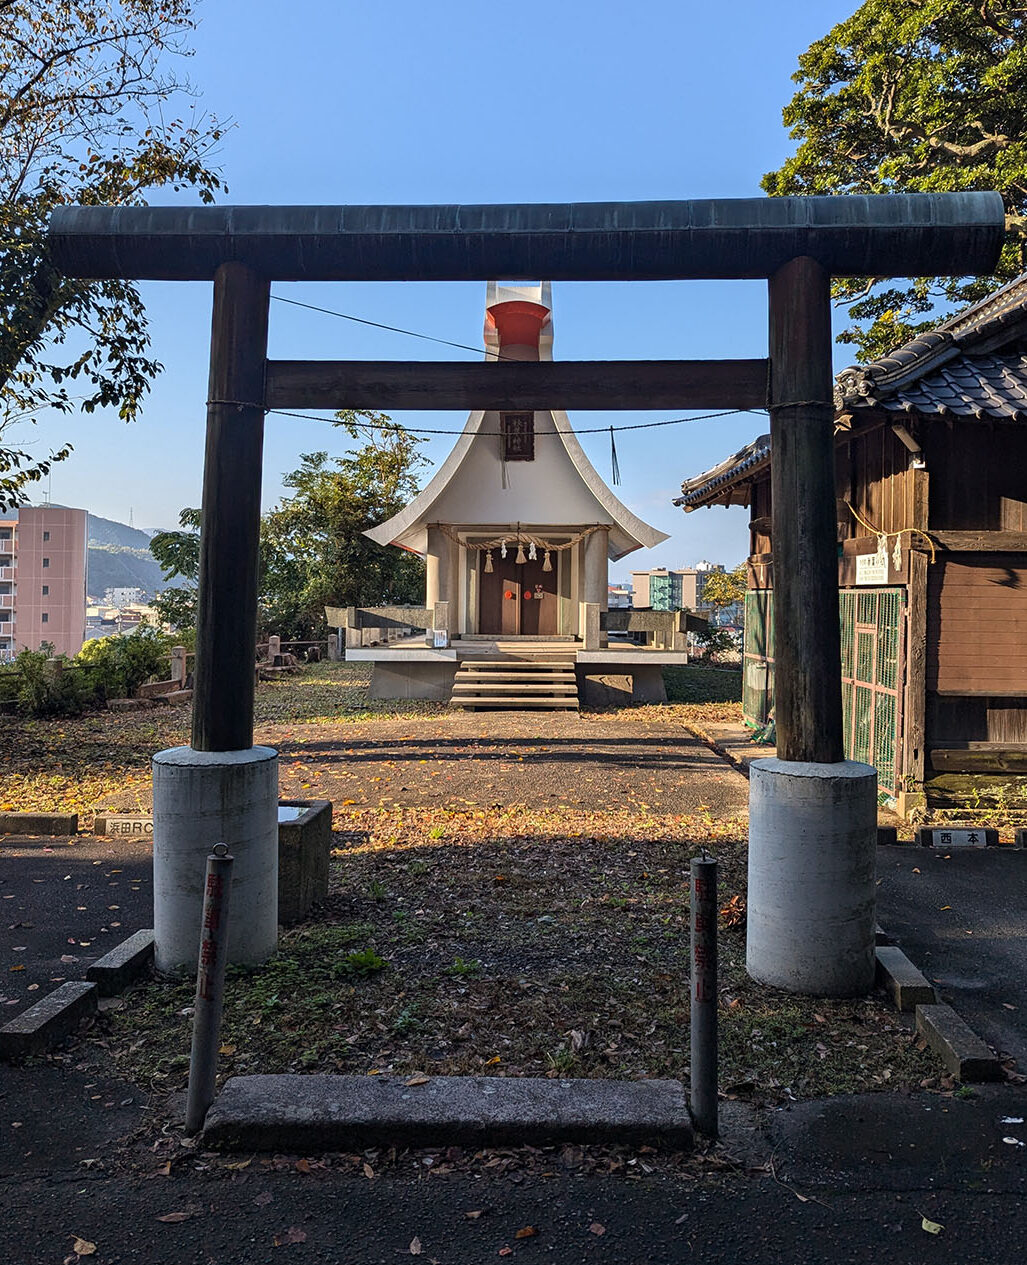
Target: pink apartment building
<point>42,579</point>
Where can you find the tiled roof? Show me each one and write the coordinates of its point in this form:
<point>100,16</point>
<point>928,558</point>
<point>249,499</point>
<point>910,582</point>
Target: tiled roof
<point>747,459</point>
<point>969,386</point>
<point>963,366</point>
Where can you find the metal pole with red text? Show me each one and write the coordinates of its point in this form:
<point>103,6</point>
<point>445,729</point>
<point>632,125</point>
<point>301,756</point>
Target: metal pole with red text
<point>704,995</point>
<point>210,987</point>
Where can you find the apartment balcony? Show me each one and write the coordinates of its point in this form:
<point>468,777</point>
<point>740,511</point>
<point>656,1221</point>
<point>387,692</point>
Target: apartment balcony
<point>6,628</point>
<point>6,572</point>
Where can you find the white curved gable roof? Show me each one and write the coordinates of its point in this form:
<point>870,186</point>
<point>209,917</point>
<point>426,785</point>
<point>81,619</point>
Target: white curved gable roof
<point>560,488</point>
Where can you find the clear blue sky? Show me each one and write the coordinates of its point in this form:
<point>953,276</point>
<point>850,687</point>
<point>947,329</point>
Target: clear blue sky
<point>335,101</point>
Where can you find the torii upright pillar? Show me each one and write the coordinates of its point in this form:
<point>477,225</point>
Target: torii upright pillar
<point>223,789</point>
<point>812,813</point>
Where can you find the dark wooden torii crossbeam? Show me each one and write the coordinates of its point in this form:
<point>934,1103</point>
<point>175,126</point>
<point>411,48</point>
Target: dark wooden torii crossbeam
<point>798,244</point>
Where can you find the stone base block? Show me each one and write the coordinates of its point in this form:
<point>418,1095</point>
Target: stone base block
<point>304,846</point>
<point>961,1050</point>
<point>905,985</point>
<point>129,961</point>
<point>306,1114</point>
<point>50,1020</point>
<point>38,823</point>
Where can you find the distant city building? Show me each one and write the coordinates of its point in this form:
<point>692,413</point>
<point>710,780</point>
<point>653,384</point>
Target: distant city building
<point>42,579</point>
<point>123,597</point>
<point>619,597</point>
<point>672,589</point>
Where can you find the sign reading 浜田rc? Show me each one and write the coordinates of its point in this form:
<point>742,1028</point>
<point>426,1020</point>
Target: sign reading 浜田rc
<point>122,825</point>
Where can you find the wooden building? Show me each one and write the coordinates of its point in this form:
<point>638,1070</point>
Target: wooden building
<point>931,485</point>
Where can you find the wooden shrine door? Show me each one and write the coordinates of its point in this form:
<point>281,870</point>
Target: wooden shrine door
<point>504,607</point>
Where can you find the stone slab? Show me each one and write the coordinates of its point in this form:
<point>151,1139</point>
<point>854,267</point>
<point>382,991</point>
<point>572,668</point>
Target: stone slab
<point>963,1052</point>
<point>38,823</point>
<point>905,985</point>
<point>124,964</point>
<point>50,1020</point>
<point>887,836</point>
<point>310,1113</point>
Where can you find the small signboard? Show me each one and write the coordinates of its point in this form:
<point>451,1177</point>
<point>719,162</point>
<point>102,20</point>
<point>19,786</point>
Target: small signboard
<point>940,837</point>
<point>872,568</point>
<point>440,639</point>
<point>121,825</point>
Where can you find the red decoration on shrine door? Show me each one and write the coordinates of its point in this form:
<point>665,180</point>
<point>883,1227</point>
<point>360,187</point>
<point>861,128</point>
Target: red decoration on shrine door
<point>527,597</point>
<point>508,594</point>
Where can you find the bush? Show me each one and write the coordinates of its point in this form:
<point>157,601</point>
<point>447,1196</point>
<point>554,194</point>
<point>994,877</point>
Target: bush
<point>119,665</point>
<point>44,689</point>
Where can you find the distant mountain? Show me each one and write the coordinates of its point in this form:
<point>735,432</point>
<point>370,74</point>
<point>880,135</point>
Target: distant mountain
<point>119,557</point>
<point>104,531</point>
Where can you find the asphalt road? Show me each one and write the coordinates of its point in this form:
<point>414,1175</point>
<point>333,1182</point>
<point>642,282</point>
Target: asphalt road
<point>961,916</point>
<point>63,904</point>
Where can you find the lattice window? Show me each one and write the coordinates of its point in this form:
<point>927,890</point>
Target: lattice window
<point>518,431</point>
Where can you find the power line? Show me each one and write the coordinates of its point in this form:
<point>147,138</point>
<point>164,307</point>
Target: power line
<point>392,329</point>
<point>588,430</point>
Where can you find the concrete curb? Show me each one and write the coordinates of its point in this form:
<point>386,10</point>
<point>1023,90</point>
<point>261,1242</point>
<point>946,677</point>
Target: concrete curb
<point>963,1052</point>
<point>38,823</point>
<point>124,964</point>
<point>50,1020</point>
<point>905,985</point>
<point>311,1113</point>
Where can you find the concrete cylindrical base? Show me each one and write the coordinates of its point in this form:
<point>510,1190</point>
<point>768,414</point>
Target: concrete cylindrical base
<point>812,871</point>
<point>201,798</point>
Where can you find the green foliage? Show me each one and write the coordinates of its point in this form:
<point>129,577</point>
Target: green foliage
<point>178,553</point>
<point>313,550</point>
<point>908,97</point>
<point>461,968</point>
<point>363,963</point>
<point>44,689</point>
<point>87,115</point>
<point>713,641</point>
<point>119,665</point>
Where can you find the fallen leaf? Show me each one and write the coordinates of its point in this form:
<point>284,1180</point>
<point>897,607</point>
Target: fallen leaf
<point>473,1216</point>
<point>239,1164</point>
<point>493,1061</point>
<point>173,1218</point>
<point>526,1232</point>
<point>263,1199</point>
<point>597,1228</point>
<point>415,1246</point>
<point>506,1251</point>
<point>368,1170</point>
<point>302,1166</point>
<point>418,1078</point>
<point>226,1049</point>
<point>82,1247</point>
<point>293,1235</point>
<point>932,1227</point>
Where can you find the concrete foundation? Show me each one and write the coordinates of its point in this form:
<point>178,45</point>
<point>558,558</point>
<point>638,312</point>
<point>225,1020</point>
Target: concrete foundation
<point>201,798</point>
<point>812,854</point>
<point>433,681</point>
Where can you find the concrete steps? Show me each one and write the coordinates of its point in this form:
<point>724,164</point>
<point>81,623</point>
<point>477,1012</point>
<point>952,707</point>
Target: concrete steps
<point>513,684</point>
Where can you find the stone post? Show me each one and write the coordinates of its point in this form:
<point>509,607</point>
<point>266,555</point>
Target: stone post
<point>178,672</point>
<point>274,650</point>
<point>596,572</point>
<point>333,647</point>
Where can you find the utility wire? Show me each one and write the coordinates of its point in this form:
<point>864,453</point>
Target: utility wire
<point>446,342</point>
<point>393,329</point>
<point>575,430</point>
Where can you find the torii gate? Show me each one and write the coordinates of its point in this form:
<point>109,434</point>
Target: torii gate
<point>812,814</point>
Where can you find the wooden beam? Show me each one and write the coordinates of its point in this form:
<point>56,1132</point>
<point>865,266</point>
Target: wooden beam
<point>226,623</point>
<point>807,642</point>
<point>914,710</point>
<point>896,234</point>
<point>981,541</point>
<point>564,384</point>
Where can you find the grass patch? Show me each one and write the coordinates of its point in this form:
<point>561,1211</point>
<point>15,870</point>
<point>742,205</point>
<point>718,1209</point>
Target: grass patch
<point>523,943</point>
<point>688,684</point>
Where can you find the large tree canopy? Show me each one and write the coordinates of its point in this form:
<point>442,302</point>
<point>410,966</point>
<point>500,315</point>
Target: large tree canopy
<point>906,96</point>
<point>313,552</point>
<point>87,115</point>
